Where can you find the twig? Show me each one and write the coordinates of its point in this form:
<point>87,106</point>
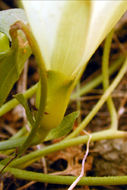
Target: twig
<point>21,88</point>
<point>83,164</point>
<point>27,185</point>
<point>122,48</point>
<point>39,147</point>
<point>43,161</point>
<point>1,185</point>
<point>2,170</point>
<point>3,5</point>
<point>122,107</point>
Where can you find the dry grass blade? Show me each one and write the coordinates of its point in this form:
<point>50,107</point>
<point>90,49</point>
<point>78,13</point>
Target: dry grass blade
<point>26,185</point>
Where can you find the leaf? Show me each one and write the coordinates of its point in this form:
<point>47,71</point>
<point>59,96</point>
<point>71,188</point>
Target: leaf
<point>64,128</point>
<point>9,17</point>
<point>4,43</point>
<point>24,103</point>
<point>11,59</point>
<point>11,65</point>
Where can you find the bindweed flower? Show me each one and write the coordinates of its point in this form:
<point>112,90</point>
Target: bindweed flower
<point>68,33</point>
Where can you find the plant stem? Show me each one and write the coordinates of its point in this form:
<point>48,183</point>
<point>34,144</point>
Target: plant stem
<point>97,80</point>
<point>43,84</point>
<point>105,74</point>
<point>28,159</point>
<point>33,156</point>
<point>83,90</point>
<point>78,102</point>
<point>104,97</point>
<point>12,143</point>
<point>67,180</point>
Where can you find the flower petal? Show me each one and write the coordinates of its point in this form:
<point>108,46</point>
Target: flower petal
<point>60,29</point>
<point>105,14</point>
<point>44,17</point>
<point>71,37</point>
<point>69,32</point>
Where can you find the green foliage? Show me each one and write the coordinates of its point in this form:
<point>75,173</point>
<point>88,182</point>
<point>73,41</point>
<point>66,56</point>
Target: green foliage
<point>12,58</point>
<point>4,43</point>
<point>64,128</point>
<point>11,66</point>
<point>23,101</point>
<point>69,55</point>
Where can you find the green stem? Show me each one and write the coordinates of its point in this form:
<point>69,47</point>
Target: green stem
<point>78,102</point>
<point>104,97</point>
<point>12,143</point>
<point>43,82</point>
<point>17,142</point>
<point>28,159</point>
<point>67,180</point>
<point>105,74</point>
<point>19,135</point>
<point>22,132</point>
<point>33,156</point>
<point>97,80</point>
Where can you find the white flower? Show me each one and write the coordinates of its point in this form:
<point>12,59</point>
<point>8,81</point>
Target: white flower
<point>68,32</point>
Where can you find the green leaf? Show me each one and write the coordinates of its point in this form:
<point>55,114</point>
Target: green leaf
<point>4,43</point>
<point>11,65</point>
<point>11,59</point>
<point>64,128</point>
<point>24,103</point>
<point>9,17</point>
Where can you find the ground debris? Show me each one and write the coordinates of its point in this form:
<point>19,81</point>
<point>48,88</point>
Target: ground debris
<point>72,156</point>
<point>110,157</point>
